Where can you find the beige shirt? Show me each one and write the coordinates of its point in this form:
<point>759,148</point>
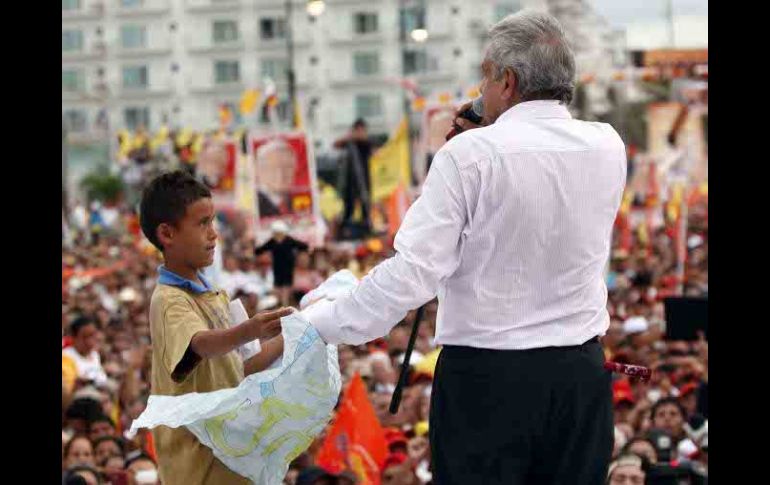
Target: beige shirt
<point>175,316</point>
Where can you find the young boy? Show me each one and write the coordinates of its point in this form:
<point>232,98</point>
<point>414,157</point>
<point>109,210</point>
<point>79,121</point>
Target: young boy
<point>194,346</point>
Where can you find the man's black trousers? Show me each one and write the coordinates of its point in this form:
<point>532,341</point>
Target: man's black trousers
<point>540,416</point>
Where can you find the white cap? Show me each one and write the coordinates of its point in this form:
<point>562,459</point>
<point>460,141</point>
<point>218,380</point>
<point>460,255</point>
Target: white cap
<point>635,325</point>
<point>280,227</point>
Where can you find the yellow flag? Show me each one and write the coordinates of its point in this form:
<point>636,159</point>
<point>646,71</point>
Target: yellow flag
<point>297,116</point>
<point>249,101</point>
<point>444,98</point>
<point>159,138</point>
<point>125,142</point>
<point>184,137</point>
<point>389,166</point>
<point>197,144</point>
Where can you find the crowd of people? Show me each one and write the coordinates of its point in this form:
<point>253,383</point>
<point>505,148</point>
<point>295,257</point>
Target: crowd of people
<point>109,272</point>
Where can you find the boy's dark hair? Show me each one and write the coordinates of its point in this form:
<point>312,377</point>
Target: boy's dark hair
<point>165,200</point>
<point>79,323</point>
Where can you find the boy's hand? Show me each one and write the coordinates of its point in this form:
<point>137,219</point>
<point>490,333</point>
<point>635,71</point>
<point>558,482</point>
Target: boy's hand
<point>269,323</point>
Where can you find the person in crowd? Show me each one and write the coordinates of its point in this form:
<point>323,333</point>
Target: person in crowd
<point>626,470</point>
<point>84,351</point>
<point>107,447</point>
<point>283,249</point>
<point>83,475</point>
<point>358,151</point>
<point>78,451</point>
<point>100,427</point>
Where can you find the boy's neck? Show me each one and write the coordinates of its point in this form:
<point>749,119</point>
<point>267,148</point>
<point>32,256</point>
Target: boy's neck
<point>183,270</point>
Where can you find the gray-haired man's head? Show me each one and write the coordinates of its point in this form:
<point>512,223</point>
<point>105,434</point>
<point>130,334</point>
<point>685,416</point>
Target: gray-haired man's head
<point>528,58</point>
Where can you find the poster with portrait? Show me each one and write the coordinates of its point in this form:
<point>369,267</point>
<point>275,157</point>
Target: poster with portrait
<point>217,162</point>
<point>286,185</point>
<point>436,123</point>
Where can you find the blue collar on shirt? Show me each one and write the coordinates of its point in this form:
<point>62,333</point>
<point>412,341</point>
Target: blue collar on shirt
<point>166,277</point>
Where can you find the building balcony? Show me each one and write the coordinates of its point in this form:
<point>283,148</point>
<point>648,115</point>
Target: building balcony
<point>139,52</point>
<point>352,40</point>
<point>342,80</point>
<point>280,44</point>
<point>209,47</point>
<point>93,10</point>
<point>235,87</point>
<point>214,6</point>
<point>95,51</point>
<point>150,92</point>
<point>148,8</point>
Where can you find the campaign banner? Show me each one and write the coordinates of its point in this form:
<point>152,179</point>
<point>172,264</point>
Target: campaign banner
<point>286,185</point>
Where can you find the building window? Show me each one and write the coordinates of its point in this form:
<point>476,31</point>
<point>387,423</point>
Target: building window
<point>368,105</point>
<point>135,77</point>
<point>412,18</point>
<point>227,72</point>
<point>225,31</point>
<point>366,63</point>
<point>133,36</point>
<point>364,23</point>
<point>417,61</point>
<point>70,5</point>
<point>130,3</point>
<point>72,40</point>
<point>272,28</point>
<point>274,68</point>
<point>75,120</point>
<point>72,80</point>
<point>135,117</point>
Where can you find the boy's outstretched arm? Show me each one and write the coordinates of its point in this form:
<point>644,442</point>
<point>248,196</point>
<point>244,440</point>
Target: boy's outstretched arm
<point>212,343</point>
<point>271,350</point>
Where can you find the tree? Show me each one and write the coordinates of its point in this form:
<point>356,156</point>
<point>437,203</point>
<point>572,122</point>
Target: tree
<point>101,185</point>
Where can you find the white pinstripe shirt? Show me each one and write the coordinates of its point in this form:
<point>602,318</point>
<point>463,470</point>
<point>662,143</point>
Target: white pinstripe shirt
<point>512,232</point>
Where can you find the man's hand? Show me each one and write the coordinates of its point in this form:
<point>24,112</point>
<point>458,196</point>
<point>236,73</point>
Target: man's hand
<point>462,122</point>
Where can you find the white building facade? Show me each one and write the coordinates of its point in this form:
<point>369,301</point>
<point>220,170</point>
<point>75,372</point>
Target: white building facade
<point>130,63</point>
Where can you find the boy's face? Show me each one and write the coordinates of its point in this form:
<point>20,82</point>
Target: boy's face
<point>193,239</point>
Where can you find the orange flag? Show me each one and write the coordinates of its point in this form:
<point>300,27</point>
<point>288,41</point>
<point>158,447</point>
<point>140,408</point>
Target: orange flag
<point>355,441</point>
<point>396,209</point>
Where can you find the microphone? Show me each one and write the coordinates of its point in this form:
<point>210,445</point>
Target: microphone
<point>474,114</point>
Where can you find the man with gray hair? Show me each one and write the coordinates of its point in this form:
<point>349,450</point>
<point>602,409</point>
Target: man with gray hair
<point>512,233</point>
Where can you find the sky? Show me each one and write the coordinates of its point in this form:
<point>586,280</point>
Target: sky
<point>646,24</point>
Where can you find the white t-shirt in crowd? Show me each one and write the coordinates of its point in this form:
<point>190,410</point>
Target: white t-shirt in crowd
<point>89,367</point>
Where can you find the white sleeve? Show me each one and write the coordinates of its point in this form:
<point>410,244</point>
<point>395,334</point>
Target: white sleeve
<point>428,246</point>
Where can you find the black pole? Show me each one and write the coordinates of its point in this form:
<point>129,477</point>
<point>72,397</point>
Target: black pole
<point>290,67</point>
<point>395,401</point>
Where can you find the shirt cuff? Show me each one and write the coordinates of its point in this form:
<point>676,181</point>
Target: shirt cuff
<point>321,316</point>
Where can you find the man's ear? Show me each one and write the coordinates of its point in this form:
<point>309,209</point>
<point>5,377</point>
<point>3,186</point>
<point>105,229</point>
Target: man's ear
<point>165,234</point>
<point>511,84</point>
